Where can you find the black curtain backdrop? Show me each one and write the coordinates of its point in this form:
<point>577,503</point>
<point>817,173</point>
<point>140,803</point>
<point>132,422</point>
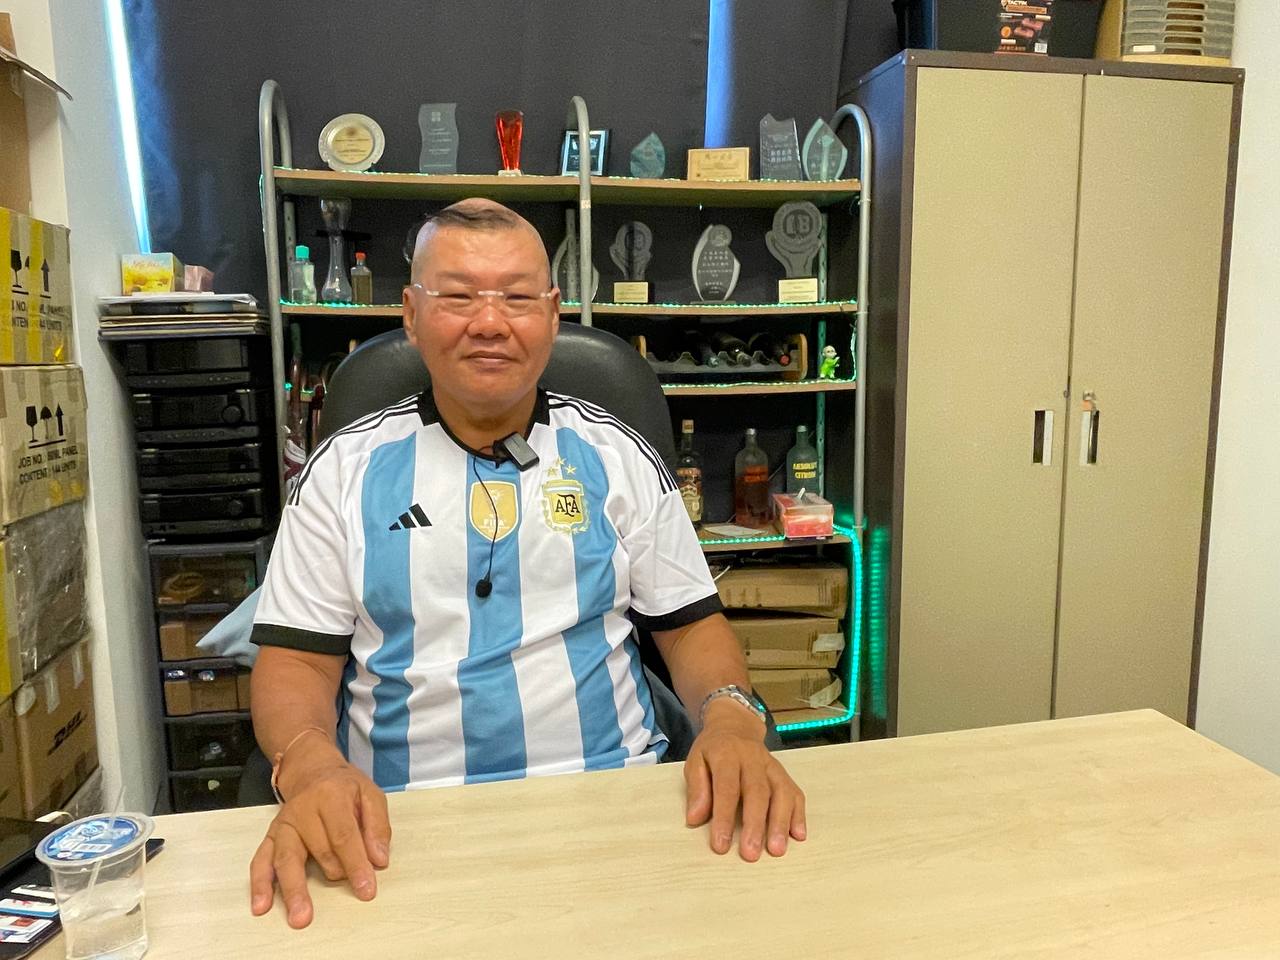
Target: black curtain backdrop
<point>792,60</point>
<point>198,68</point>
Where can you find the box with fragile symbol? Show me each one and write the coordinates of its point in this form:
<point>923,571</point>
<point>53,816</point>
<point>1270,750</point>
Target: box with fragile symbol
<point>42,440</point>
<point>35,301</point>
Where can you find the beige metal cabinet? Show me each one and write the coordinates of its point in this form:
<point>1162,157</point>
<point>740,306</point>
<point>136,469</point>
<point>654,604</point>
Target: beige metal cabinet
<point>1045,347</point>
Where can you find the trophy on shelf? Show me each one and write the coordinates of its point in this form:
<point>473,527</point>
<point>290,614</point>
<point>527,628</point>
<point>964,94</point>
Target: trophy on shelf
<point>794,242</point>
<point>510,127</point>
<point>597,144</point>
<point>649,158</point>
<point>631,252</point>
<point>715,268</point>
<point>824,154</point>
<point>439,125</point>
<point>779,149</point>
<point>336,212</point>
<point>565,267</point>
<point>351,143</point>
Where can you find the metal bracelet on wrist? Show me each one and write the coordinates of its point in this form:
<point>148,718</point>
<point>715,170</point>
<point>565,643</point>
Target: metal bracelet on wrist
<point>736,693</point>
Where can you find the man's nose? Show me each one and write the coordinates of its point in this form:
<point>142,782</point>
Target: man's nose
<point>489,321</point>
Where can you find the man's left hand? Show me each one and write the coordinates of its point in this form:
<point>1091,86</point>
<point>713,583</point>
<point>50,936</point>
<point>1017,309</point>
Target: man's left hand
<point>729,765</point>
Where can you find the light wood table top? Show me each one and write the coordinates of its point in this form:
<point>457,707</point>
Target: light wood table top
<point>1121,836</point>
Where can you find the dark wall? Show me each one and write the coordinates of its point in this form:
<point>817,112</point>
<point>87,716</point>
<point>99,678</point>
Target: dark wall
<point>640,67</point>
<point>792,59</point>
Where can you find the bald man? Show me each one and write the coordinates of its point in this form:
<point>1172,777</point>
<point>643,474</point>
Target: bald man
<point>454,586</point>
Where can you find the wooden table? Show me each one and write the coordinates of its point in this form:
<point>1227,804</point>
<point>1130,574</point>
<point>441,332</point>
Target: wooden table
<point>1121,836</point>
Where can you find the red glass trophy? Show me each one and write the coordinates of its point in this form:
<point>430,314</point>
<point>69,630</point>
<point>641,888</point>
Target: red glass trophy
<point>510,124</point>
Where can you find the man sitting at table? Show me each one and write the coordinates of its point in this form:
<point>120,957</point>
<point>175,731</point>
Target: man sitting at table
<point>439,610</point>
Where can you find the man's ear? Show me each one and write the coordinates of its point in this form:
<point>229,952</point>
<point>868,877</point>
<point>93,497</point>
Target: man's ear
<point>409,317</point>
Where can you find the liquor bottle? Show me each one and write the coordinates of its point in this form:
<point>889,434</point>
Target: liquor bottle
<point>689,473</point>
<point>802,463</point>
<point>361,281</point>
<point>732,346</point>
<point>751,484</point>
<point>770,346</point>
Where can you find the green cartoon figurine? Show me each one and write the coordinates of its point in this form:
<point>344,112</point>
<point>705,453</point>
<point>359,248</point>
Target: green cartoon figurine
<point>827,368</point>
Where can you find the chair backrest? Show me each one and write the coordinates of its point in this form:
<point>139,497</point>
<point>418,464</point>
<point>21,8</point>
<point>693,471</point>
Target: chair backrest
<point>585,362</point>
<point>591,364</point>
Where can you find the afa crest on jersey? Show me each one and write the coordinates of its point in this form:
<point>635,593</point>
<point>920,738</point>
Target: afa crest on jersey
<point>564,500</point>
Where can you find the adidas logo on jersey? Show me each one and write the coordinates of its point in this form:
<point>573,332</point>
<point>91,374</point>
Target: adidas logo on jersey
<point>415,516</point>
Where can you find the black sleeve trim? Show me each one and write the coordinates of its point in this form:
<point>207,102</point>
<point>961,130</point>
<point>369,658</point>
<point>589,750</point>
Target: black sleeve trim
<point>274,635</point>
<point>691,613</point>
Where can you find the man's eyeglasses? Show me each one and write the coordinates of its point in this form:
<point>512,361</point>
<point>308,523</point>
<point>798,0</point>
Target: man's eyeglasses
<point>467,303</point>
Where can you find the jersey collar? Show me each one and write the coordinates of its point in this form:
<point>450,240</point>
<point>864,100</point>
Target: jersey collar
<point>428,414</point>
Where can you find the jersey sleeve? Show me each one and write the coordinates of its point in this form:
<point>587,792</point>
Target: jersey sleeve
<point>671,586</point>
<point>306,601</point>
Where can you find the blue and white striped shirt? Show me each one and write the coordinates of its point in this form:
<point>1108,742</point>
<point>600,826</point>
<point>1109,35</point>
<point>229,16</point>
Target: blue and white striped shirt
<point>380,549</point>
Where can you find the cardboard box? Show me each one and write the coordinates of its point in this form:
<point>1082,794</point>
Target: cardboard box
<point>10,791</point>
<point>42,440</point>
<point>151,273</point>
<point>242,689</point>
<point>35,302</point>
<point>813,642</point>
<point>42,598</point>
<point>204,690</point>
<point>16,78</point>
<point>57,736</point>
<point>818,588</point>
<point>180,632</point>
<point>796,689</point>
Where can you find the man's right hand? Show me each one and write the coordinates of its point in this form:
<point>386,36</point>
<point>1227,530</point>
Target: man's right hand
<point>333,814</point>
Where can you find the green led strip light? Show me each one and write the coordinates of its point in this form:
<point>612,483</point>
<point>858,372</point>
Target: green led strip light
<point>755,383</point>
<point>761,539</point>
<point>855,642</point>
<point>338,305</point>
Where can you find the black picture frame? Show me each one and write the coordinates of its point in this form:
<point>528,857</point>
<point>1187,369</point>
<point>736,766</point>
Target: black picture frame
<point>598,144</point>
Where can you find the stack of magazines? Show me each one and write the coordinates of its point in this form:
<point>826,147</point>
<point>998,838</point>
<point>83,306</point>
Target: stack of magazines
<point>162,315</point>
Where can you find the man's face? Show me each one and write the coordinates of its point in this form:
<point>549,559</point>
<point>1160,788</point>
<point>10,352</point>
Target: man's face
<point>485,353</point>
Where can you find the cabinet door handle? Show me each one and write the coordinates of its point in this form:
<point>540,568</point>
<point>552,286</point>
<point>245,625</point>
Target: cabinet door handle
<point>1089,417</point>
<point>1042,438</point>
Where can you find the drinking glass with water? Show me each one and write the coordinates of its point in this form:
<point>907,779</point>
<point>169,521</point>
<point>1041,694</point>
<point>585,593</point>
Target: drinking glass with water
<point>97,866</point>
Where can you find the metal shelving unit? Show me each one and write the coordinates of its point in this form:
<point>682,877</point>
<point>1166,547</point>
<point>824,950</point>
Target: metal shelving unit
<point>281,183</point>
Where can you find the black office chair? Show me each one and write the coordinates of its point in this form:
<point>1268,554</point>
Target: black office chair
<point>585,362</point>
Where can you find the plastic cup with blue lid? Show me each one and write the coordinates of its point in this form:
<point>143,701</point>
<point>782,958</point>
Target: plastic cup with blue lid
<point>97,867</point>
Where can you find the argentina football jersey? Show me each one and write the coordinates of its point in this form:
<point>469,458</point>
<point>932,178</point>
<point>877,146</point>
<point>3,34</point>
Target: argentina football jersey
<point>391,527</point>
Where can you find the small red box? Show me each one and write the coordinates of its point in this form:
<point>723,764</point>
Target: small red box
<point>803,518</point>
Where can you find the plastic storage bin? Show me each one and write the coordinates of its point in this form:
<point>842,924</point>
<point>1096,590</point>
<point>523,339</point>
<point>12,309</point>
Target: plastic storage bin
<point>184,579</point>
<point>206,790</point>
<point>203,689</point>
<point>219,742</point>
